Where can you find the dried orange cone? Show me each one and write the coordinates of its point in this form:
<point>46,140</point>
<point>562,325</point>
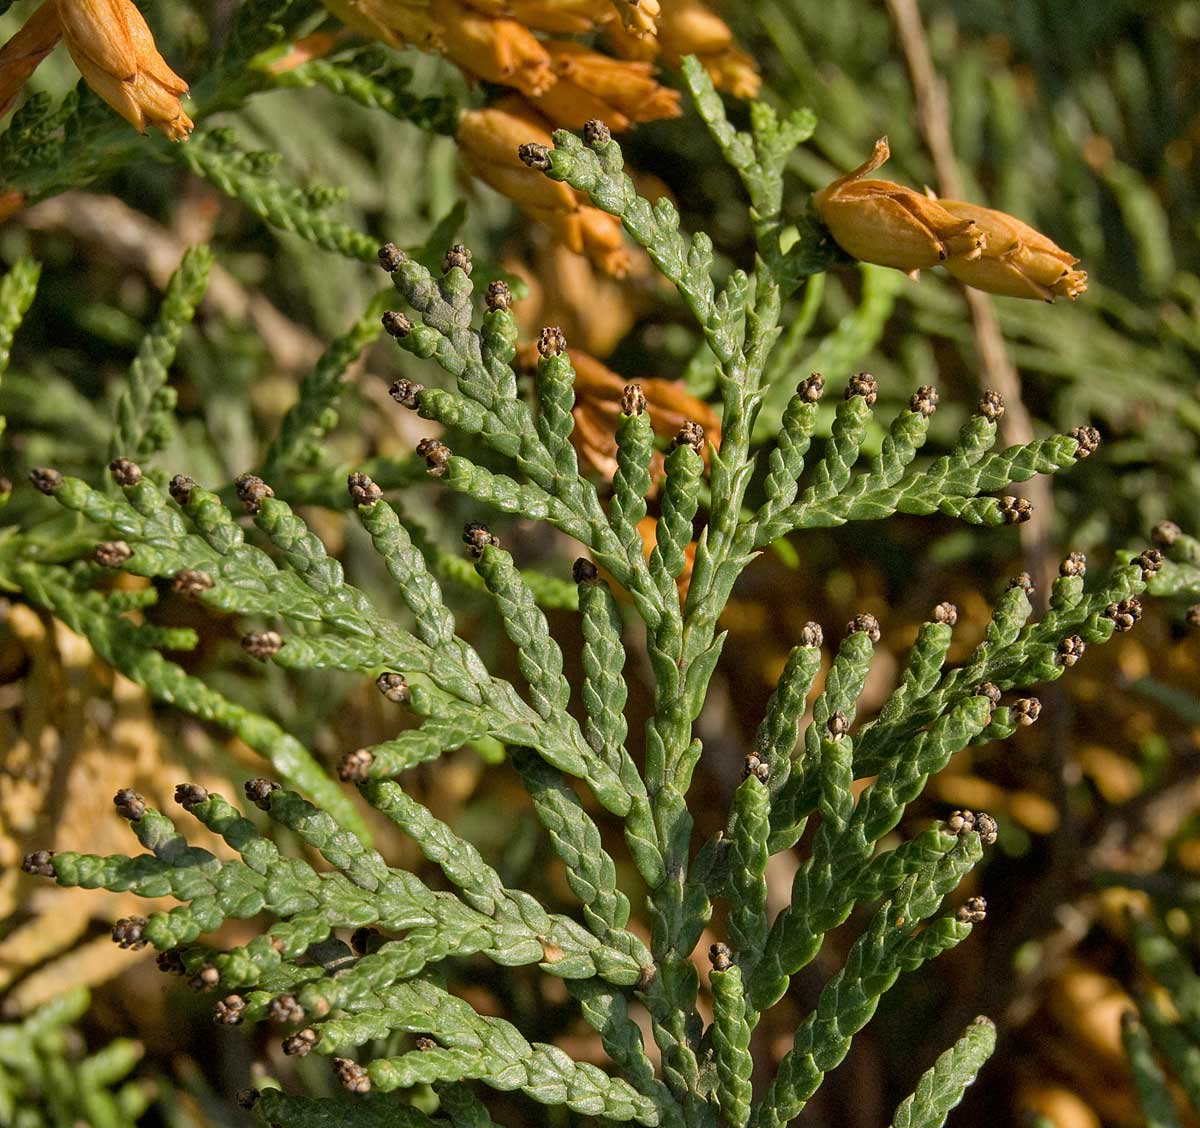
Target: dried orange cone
<point>1017,261</point>
<point>19,57</point>
<point>690,27</point>
<point>391,21</point>
<point>498,50</point>
<point>115,52</point>
<point>638,16</point>
<point>891,225</point>
<point>561,16</point>
<point>489,139</point>
<point>590,85</point>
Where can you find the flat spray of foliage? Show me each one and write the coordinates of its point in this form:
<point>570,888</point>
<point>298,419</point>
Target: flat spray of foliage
<point>390,982</point>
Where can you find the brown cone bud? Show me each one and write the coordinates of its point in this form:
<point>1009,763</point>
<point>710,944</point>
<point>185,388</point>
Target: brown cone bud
<point>499,296</point>
<point>127,932</point>
<point>45,480</point>
<point>355,767</point>
<point>924,401</point>
<point>394,687</point>
<point>596,133</point>
<point>190,794</point>
<point>1074,565</point>
<point>352,1075</point>
<point>436,454</point>
<point>551,342</point>
<point>124,472</point>
<point>865,385</point>
<point>633,400</point>
<point>191,583</point>
<point>867,623</point>
<point>262,644</point>
<point>583,571</point>
<point>991,406</point>
<point>534,156</point>
<point>691,434</point>
<point>363,491</point>
<point>252,491</point>
<point>259,790</point>
<point>38,863</point>
<point>130,805</point>
<point>112,554</point>
<point>181,488</point>
<point>407,393</point>
<point>1016,510</point>
<point>1088,439</point>
<point>457,256</point>
<point>391,257</point>
<point>945,613</point>
<point>477,537</point>
<point>396,324</point>
<point>974,911</point>
<point>721,957</point>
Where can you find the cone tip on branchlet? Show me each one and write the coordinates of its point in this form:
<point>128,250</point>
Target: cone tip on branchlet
<point>39,863</point>
<point>301,1043</point>
<point>990,690</point>
<point>1087,440</point>
<point>252,491</point>
<point>1074,565</point>
<point>262,644</point>
<point>838,725</point>
<point>393,686</point>
<point>1125,613</point>
<point>583,571</point>
<point>258,791</point>
<point>991,406</point>
<point>130,805</point>
<point>396,324</point>
<point>721,957</point>
<point>1165,534</point>
<point>812,636</point>
<point>551,342</point>
<point>355,767</point>
<point>124,472</point>
<point>755,766</point>
<point>867,624</point>
<point>633,400</point>
<point>812,388</point>
<point>457,256</point>
<point>391,257</point>
<point>534,156</point>
<point>988,828</point>
<point>437,456</point>
<point>247,1098</point>
<point>284,1009</point>
<point>865,385</point>
<point>946,613</point>
<point>112,554</point>
<point>46,479</point>
<point>363,491</point>
<point>478,537</point>
<point>924,401</point>
<point>1070,650</point>
<point>1015,510</point>
<point>181,487</point>
<point>973,911</point>
<point>1026,710</point>
<point>229,1011</point>
<point>691,434</point>
<point>352,1075</point>
<point>191,583</point>
<point>1024,581</point>
<point>1150,561</point>
<point>189,795</point>
<point>406,393</point>
<point>128,932</point>
<point>424,1043</point>
<point>498,296</point>
<point>205,979</point>
<point>596,133</point>
<point>170,962</point>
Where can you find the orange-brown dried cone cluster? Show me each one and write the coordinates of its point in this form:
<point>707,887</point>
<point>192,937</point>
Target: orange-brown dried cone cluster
<point>690,27</point>
<point>115,52</point>
<point>564,83</point>
<point>891,225</point>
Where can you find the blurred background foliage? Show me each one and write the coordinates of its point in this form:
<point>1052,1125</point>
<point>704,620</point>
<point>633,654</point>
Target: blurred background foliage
<point>1080,116</point>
